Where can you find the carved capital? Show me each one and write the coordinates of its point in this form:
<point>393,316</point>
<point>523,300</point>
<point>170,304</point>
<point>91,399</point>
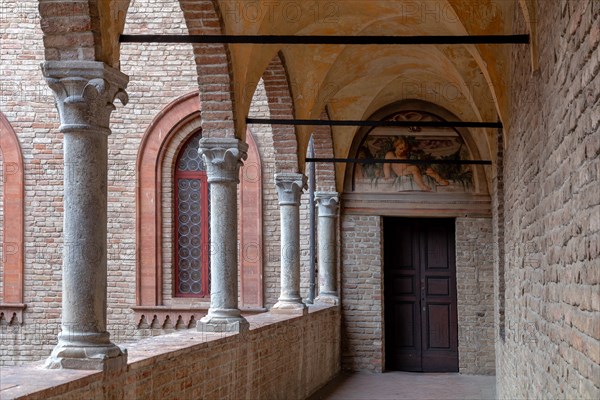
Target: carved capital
<point>223,158</point>
<point>84,93</point>
<point>289,188</point>
<point>328,203</point>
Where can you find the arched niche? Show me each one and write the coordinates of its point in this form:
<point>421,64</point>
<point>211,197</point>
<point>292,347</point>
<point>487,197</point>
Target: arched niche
<point>11,303</point>
<point>419,188</point>
<point>161,143</point>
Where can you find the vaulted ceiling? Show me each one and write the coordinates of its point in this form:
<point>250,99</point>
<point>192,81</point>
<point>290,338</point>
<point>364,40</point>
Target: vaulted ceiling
<point>353,81</point>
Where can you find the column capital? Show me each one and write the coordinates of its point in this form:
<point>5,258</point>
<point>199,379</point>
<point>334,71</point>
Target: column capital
<point>328,203</point>
<point>84,93</point>
<point>223,158</point>
<point>289,187</point>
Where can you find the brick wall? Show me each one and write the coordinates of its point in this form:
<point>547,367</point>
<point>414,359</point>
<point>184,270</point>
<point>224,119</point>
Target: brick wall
<point>263,135</point>
<point>362,293</point>
<point>475,295</point>
<point>552,209</point>
<point>280,357</point>
<point>276,155</point>
<point>28,105</point>
<point>1,223</point>
<point>158,75</point>
<point>212,65</point>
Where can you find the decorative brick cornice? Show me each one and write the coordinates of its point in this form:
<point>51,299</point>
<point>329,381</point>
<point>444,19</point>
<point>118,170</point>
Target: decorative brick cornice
<point>12,313</point>
<point>165,317</point>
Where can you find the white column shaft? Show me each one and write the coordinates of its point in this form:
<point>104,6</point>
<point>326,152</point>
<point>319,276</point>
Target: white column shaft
<point>223,257</point>
<point>328,203</point>
<point>85,92</point>
<point>84,255</point>
<point>327,256</point>
<point>290,254</point>
<point>289,189</point>
<point>223,158</point>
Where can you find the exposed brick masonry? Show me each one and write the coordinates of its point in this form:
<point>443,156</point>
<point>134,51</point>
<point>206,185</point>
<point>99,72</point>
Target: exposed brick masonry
<point>475,295</point>
<point>280,357</point>
<point>362,294</point>
<point>552,209</point>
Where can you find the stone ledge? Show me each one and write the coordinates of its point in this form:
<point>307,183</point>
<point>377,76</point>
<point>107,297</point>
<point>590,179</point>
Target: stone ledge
<point>32,381</point>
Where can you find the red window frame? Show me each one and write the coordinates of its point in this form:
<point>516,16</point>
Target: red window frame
<point>204,223</point>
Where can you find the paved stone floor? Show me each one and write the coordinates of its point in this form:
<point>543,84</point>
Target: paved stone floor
<point>407,385</point>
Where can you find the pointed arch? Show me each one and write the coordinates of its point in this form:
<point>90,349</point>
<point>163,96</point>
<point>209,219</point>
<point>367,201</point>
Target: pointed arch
<point>281,106</point>
<point>325,172</point>
<point>213,63</point>
<point>83,30</point>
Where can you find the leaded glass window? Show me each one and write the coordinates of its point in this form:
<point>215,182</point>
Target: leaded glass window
<point>191,222</point>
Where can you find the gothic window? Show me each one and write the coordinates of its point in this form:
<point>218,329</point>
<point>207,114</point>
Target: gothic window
<point>191,277</point>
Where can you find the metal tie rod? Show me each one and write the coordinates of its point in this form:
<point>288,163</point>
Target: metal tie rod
<point>393,161</point>
<point>408,124</point>
<point>327,39</point>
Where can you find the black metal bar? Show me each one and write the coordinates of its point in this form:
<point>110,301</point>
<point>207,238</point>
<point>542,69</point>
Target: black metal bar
<point>327,39</point>
<point>311,215</point>
<point>394,161</point>
<point>408,124</point>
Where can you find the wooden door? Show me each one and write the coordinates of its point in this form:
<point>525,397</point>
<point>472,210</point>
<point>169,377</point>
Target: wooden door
<point>420,295</point>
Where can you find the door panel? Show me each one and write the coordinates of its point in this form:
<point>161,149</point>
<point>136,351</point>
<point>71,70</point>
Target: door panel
<point>420,295</point>
<point>402,290</point>
<point>439,326</point>
<point>405,332</point>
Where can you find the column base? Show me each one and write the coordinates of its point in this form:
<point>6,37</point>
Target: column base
<point>328,299</point>
<point>215,323</point>
<point>284,307</point>
<point>108,357</point>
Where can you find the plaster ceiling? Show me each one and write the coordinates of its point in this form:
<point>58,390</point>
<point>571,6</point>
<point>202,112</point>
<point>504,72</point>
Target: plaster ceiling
<point>352,82</point>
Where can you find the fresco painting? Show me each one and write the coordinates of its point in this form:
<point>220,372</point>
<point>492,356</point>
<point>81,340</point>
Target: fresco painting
<point>424,145</point>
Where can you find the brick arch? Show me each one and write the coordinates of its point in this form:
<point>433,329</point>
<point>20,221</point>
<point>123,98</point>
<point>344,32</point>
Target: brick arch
<point>324,172</point>
<point>83,29</point>
<point>11,303</point>
<point>281,106</point>
<point>213,63</point>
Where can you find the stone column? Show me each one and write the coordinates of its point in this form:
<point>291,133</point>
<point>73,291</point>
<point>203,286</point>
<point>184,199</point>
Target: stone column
<point>84,92</point>
<point>223,158</point>
<point>328,203</point>
<point>289,189</point>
